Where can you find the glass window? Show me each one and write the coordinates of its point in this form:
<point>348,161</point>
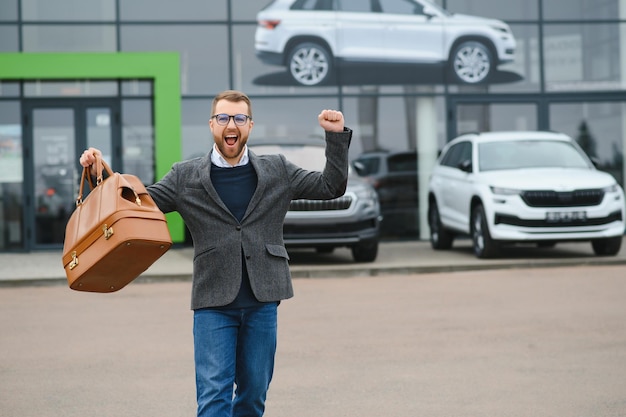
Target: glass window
<point>8,10</point>
<point>498,116</point>
<point>584,57</point>
<point>203,59</point>
<point>514,10</point>
<point>137,88</point>
<point>138,139</point>
<point>9,38</point>
<point>11,168</point>
<point>69,38</point>
<point>271,120</point>
<point>167,10</point>
<point>582,9</point>
<point>9,89</point>
<point>66,10</point>
<point>76,88</point>
<point>598,127</point>
<point>197,137</point>
<point>246,9</point>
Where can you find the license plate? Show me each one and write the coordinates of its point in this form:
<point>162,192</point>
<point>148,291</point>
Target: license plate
<point>566,216</point>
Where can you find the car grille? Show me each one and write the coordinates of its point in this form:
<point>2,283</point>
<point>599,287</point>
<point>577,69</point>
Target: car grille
<point>341,203</point>
<point>576,198</point>
<point>516,221</point>
<point>317,230</point>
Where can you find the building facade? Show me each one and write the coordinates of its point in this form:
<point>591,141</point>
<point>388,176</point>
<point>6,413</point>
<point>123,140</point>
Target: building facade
<point>136,78</point>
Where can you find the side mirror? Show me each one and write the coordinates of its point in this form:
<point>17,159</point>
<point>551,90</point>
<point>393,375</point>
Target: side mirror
<point>429,12</point>
<point>466,165</point>
<point>359,168</point>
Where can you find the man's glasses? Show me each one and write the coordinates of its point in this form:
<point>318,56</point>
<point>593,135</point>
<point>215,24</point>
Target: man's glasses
<point>223,119</point>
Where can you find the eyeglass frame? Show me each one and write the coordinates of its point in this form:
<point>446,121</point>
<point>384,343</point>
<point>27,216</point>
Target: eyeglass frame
<point>232,116</point>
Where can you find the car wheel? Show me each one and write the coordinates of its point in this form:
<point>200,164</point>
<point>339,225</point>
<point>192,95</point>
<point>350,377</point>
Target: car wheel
<point>365,251</point>
<point>440,238</point>
<point>309,64</point>
<point>471,62</point>
<point>607,247</point>
<point>484,246</point>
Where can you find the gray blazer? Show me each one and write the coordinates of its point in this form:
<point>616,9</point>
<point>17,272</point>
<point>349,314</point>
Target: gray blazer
<point>219,238</point>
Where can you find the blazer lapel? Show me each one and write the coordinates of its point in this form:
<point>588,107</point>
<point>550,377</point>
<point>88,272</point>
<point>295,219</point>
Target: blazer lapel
<point>205,178</point>
<point>261,185</point>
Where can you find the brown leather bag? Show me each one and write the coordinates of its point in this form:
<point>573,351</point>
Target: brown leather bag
<point>114,235</point>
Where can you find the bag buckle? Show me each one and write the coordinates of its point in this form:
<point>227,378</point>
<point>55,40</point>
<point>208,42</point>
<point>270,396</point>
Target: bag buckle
<point>108,231</point>
<point>74,262</point>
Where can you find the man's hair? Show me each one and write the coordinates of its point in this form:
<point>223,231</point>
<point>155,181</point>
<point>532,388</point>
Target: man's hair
<point>234,96</point>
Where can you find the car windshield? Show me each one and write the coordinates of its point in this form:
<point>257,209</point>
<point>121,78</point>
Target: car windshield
<point>494,156</point>
<point>309,157</point>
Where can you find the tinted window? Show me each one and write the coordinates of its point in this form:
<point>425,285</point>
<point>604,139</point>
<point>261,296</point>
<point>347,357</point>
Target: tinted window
<point>312,5</point>
<point>370,165</point>
<point>456,154</point>
<point>403,162</point>
<point>355,6</point>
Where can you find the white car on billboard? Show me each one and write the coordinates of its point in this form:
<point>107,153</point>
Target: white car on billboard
<point>312,37</point>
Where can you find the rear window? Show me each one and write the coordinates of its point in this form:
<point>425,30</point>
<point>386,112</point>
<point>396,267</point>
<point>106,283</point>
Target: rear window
<point>402,162</point>
<point>312,5</point>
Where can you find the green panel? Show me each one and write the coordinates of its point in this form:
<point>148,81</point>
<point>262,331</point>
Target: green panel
<point>162,67</point>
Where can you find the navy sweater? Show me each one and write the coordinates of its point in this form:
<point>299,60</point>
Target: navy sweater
<point>235,187</point>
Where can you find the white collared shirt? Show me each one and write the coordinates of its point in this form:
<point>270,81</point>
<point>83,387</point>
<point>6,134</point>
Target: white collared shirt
<point>218,160</point>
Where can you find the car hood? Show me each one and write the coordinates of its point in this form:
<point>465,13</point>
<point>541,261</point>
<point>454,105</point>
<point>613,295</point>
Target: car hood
<point>474,20</point>
<point>559,179</point>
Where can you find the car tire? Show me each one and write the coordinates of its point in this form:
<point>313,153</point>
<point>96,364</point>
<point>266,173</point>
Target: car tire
<point>365,251</point>
<point>607,247</point>
<point>440,238</point>
<point>484,246</point>
<point>309,64</point>
<point>471,62</point>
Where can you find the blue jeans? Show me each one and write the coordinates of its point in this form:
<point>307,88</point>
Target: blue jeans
<point>234,353</point>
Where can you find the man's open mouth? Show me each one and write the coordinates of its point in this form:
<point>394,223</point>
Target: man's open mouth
<point>230,140</point>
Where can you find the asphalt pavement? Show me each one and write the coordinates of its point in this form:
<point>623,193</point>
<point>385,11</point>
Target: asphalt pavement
<point>395,257</point>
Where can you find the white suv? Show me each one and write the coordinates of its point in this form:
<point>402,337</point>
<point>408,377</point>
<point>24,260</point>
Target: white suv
<point>510,187</point>
<point>311,37</point>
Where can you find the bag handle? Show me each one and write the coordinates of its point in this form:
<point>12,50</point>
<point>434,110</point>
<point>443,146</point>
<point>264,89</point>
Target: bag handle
<point>101,166</point>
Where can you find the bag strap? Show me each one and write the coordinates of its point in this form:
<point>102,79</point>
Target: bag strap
<point>101,166</point>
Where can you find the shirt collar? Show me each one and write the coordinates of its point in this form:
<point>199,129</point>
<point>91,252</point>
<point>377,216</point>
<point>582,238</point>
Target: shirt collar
<point>218,159</point>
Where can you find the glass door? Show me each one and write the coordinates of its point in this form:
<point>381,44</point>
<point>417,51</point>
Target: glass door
<point>56,133</point>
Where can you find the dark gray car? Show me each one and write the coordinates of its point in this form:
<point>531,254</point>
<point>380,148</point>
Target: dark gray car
<point>351,220</point>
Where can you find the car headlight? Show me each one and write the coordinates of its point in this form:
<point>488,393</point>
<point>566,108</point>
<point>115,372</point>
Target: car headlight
<point>504,191</point>
<point>366,194</point>
<point>611,188</point>
<point>500,29</point>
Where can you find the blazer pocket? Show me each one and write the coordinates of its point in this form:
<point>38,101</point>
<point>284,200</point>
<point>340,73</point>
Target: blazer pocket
<point>277,250</point>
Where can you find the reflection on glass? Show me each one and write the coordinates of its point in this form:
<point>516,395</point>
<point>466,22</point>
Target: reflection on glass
<point>493,117</point>
<point>99,133</point>
<point>54,173</point>
<point>583,57</point>
<point>598,127</point>
<point>138,139</point>
<point>77,88</point>
<point>11,178</point>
